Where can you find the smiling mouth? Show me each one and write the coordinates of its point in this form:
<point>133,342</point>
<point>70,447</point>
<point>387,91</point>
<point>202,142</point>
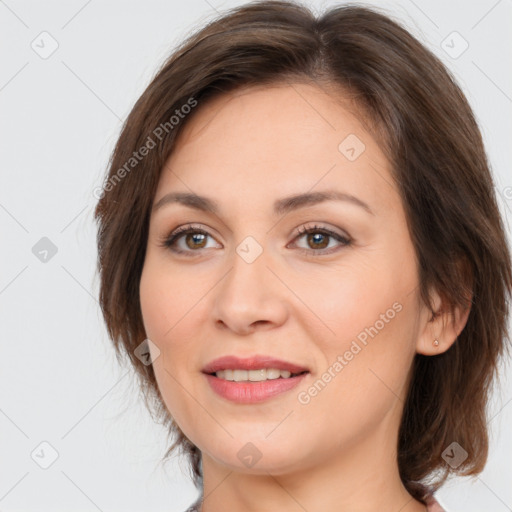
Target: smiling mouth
<point>263,374</point>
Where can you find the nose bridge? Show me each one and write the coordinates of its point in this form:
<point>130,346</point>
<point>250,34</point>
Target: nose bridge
<point>248,274</point>
<point>249,292</point>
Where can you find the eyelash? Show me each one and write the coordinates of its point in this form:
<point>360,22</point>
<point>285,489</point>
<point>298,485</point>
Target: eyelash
<point>170,241</point>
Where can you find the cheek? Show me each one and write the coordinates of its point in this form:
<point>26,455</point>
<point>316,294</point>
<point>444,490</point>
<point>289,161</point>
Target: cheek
<point>365,373</point>
<point>163,299</point>
<point>369,310</point>
<point>166,324</point>
<point>154,303</point>
<point>349,298</point>
<point>173,310</point>
<point>378,354</point>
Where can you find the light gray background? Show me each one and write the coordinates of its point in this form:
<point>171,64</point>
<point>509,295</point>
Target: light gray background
<point>60,117</point>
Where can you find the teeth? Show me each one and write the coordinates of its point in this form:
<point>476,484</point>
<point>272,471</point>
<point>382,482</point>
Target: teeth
<point>253,375</point>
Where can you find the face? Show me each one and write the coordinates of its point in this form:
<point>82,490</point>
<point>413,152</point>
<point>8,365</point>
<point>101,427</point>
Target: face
<point>330,286</point>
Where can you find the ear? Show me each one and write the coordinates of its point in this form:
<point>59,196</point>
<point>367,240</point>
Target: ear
<point>444,324</point>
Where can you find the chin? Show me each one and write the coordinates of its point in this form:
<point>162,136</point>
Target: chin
<point>255,454</point>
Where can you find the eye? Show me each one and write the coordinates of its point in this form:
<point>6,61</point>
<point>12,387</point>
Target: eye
<point>317,239</point>
<point>196,238</point>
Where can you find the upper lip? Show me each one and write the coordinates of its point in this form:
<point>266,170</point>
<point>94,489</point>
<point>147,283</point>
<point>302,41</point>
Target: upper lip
<point>251,363</point>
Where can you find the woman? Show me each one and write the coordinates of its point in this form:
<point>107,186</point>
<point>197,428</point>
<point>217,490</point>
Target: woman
<point>301,253</point>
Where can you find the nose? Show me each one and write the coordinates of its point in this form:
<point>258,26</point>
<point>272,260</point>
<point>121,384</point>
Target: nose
<point>250,296</point>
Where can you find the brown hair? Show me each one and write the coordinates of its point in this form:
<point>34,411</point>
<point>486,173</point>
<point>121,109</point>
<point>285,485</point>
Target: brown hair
<point>433,143</point>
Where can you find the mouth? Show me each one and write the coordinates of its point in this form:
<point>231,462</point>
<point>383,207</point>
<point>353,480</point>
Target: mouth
<point>253,380</point>
<point>253,368</point>
<point>259,375</point>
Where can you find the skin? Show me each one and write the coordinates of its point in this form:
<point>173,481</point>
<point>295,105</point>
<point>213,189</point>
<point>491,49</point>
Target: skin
<point>338,451</point>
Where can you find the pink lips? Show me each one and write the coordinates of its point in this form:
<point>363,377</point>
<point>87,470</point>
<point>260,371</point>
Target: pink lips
<point>251,363</point>
<point>252,392</point>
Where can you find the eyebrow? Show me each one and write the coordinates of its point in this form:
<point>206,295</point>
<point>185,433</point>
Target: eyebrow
<point>281,206</point>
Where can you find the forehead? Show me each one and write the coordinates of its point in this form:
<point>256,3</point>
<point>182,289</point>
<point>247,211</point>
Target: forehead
<point>272,140</point>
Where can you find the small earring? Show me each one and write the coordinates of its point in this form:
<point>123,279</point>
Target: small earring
<point>436,343</point>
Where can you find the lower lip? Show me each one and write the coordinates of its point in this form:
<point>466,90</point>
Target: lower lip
<point>252,392</point>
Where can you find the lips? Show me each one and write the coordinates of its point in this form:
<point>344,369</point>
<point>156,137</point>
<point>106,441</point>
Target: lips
<point>251,363</point>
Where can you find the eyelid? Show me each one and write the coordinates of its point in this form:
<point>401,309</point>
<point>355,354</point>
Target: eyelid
<point>308,228</point>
